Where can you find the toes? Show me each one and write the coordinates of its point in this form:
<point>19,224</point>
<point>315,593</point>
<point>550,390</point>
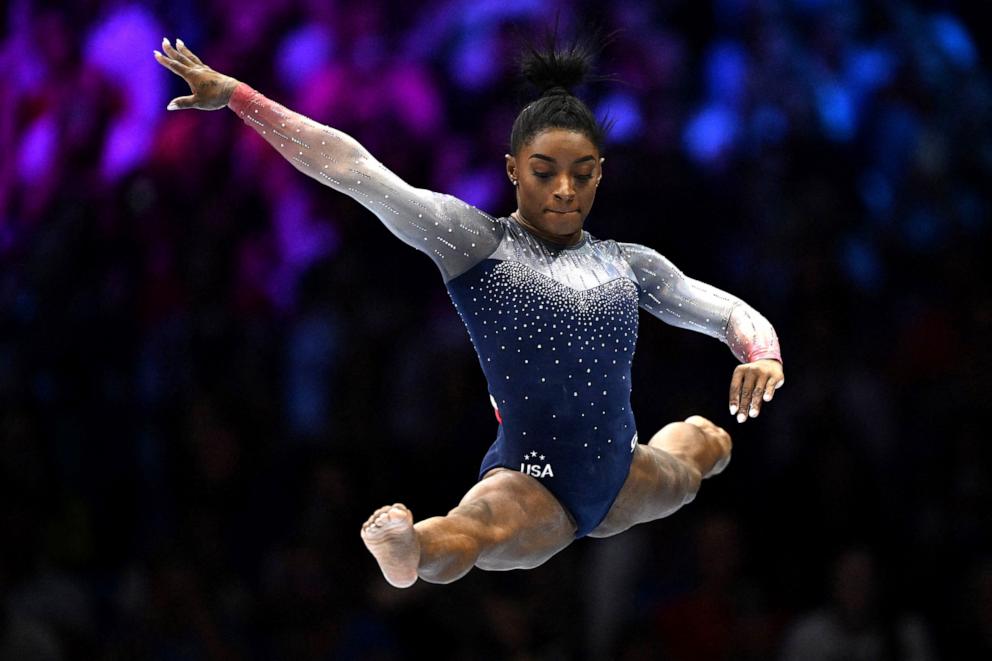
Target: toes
<point>374,518</point>
<point>386,515</point>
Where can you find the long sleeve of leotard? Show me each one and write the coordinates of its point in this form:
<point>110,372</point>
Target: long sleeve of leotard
<point>681,301</point>
<point>454,234</point>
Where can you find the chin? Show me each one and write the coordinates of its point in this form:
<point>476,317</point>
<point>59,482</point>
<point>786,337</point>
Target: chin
<point>565,220</point>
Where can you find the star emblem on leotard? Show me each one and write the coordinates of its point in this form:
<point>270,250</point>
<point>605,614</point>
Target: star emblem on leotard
<point>533,453</point>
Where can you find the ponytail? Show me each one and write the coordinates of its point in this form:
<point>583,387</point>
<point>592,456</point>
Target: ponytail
<point>556,71</point>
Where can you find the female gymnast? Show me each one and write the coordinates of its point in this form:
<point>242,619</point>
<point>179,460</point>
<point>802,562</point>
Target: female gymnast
<point>552,314</point>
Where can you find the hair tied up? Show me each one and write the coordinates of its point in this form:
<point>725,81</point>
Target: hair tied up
<point>555,90</point>
<point>556,69</point>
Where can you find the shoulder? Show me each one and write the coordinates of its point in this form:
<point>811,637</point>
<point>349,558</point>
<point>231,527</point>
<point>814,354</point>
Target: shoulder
<point>607,246</point>
<point>648,260</point>
<point>458,215</point>
<point>636,251</point>
<point>638,255</point>
<point>453,204</point>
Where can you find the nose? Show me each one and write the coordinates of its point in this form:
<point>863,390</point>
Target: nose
<point>564,190</point>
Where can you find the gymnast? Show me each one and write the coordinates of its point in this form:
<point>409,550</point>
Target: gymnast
<point>552,314</point>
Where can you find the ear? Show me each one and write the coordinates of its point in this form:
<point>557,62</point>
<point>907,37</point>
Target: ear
<point>511,167</point>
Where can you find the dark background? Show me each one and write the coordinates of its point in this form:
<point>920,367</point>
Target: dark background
<point>213,369</point>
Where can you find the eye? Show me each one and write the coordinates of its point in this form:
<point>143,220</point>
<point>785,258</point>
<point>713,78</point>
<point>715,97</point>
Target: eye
<point>542,175</point>
<point>583,177</point>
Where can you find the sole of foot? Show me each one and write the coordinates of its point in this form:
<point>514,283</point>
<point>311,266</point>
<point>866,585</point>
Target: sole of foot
<point>390,538</point>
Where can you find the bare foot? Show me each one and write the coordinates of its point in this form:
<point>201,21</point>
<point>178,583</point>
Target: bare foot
<point>390,538</point>
<point>719,437</point>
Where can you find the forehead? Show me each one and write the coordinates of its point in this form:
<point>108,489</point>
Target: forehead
<point>563,145</point>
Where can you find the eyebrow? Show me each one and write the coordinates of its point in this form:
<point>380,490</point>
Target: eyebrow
<point>590,157</point>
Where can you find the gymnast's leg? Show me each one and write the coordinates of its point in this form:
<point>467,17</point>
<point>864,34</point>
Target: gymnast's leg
<point>666,473</point>
<point>508,520</point>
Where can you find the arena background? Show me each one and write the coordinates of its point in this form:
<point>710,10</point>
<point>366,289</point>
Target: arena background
<point>212,368</point>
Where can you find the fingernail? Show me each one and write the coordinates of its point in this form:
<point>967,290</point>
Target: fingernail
<point>753,413</point>
<point>733,409</point>
<point>779,384</point>
<point>179,42</point>
<point>741,417</point>
<point>165,41</point>
<point>767,397</point>
<point>172,106</point>
<point>156,52</point>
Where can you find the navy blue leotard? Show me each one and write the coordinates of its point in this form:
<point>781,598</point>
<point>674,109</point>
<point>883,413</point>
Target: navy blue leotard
<point>554,327</point>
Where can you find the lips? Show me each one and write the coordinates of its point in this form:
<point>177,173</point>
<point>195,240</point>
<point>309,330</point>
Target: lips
<point>564,212</point>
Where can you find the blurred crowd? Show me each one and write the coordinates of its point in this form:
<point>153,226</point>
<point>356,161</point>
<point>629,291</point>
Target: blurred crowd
<point>212,369</point>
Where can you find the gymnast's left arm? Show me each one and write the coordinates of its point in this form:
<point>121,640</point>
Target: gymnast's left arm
<point>681,301</point>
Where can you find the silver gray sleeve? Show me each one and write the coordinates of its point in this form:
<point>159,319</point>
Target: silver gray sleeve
<point>454,234</point>
<point>681,301</point>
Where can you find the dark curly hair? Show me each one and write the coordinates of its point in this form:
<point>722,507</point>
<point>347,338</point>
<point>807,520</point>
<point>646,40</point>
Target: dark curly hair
<point>555,71</point>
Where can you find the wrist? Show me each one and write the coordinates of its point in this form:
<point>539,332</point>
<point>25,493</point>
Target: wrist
<point>241,98</point>
<point>227,89</point>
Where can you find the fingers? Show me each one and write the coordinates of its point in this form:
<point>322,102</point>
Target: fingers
<point>750,386</point>
<point>181,47</point>
<point>181,65</point>
<point>760,383</point>
<point>747,391</point>
<point>181,103</point>
<point>769,390</point>
<point>175,54</point>
<point>771,386</point>
<point>735,393</point>
<point>175,67</point>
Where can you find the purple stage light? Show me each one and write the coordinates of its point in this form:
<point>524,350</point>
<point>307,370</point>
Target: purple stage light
<point>416,99</point>
<point>711,134</point>
<point>120,48</point>
<point>625,113</point>
<point>38,149</point>
<point>480,189</point>
<point>303,53</point>
<point>474,65</point>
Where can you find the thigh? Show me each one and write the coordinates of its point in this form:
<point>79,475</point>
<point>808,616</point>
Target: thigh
<point>525,524</point>
<point>656,486</point>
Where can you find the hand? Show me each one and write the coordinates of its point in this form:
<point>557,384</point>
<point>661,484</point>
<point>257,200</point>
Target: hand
<point>753,383</point>
<point>211,90</point>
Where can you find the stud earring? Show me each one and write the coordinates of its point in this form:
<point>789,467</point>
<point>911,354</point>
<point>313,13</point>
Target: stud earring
<point>515,182</point>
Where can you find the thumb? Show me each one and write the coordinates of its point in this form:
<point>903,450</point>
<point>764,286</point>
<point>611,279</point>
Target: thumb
<point>180,103</point>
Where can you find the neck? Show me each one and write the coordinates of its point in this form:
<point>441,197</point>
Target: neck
<point>562,240</point>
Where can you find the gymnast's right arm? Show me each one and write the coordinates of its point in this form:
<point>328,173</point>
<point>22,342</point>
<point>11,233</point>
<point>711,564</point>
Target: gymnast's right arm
<point>454,234</point>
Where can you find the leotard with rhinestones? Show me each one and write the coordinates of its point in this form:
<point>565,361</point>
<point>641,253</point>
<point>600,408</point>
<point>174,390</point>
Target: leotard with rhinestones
<point>554,326</point>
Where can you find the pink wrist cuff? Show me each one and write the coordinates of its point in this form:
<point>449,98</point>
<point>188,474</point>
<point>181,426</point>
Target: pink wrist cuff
<point>240,98</point>
<point>773,354</point>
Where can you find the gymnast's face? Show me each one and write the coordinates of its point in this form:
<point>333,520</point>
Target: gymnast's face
<point>557,173</point>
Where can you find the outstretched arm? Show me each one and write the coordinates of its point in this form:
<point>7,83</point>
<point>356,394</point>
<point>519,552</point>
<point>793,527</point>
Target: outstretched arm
<point>681,301</point>
<point>454,234</point>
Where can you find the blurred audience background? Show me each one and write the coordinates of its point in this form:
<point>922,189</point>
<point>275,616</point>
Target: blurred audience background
<point>212,369</point>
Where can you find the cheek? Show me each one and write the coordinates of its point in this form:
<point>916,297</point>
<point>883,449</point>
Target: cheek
<point>532,195</point>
